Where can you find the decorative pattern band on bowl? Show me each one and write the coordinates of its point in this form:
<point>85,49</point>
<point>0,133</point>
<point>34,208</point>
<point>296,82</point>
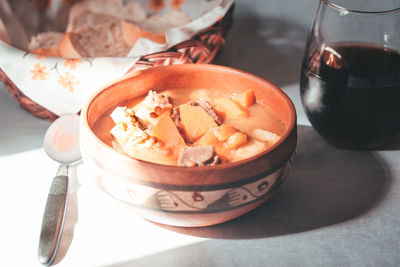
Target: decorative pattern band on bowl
<point>195,201</point>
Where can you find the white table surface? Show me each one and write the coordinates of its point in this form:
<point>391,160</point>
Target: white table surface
<point>337,208</point>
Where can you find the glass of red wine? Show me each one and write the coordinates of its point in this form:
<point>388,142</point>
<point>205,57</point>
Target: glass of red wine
<point>350,77</point>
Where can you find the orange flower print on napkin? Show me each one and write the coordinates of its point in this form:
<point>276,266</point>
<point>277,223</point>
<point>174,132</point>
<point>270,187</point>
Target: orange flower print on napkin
<point>176,4</point>
<point>68,81</point>
<point>156,4</point>
<point>72,62</point>
<point>39,57</point>
<point>39,72</point>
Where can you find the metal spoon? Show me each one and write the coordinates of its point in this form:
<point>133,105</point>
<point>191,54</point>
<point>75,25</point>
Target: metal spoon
<point>62,145</point>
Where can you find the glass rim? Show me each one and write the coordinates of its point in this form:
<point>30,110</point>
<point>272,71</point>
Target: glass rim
<point>352,10</point>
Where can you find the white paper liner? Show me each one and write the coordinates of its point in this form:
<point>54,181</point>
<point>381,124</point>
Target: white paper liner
<point>63,85</point>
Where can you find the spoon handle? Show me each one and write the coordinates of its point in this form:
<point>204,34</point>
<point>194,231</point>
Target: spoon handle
<point>53,218</point>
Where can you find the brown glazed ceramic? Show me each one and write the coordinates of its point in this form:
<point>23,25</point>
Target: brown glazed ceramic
<point>185,196</point>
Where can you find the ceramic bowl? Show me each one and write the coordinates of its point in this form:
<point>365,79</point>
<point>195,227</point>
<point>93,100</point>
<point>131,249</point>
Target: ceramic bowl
<point>189,196</point>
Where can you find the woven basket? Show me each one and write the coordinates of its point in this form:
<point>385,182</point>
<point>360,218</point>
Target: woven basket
<point>202,48</point>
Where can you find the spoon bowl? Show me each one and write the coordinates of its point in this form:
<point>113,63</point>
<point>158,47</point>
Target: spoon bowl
<point>61,142</point>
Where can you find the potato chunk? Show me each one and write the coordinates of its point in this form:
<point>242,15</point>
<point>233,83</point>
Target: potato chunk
<point>265,136</point>
<point>248,150</point>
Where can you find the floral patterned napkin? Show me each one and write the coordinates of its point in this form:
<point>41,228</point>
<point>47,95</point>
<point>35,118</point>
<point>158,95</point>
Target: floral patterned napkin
<point>63,85</point>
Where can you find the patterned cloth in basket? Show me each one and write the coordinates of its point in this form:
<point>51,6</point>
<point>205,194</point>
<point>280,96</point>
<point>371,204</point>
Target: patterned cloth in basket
<point>51,86</point>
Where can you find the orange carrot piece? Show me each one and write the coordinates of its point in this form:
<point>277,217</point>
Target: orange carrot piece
<point>209,138</point>
<point>166,131</point>
<point>224,131</point>
<point>246,99</point>
<point>229,108</point>
<point>236,140</point>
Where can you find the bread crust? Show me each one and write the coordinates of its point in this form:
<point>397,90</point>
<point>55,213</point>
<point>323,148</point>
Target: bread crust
<point>104,40</point>
<point>46,44</point>
<point>3,33</point>
<point>106,28</point>
<point>131,11</point>
<point>45,40</point>
<point>132,33</point>
<point>66,48</point>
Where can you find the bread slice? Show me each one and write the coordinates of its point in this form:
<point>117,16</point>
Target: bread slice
<point>132,11</point>
<point>161,23</point>
<point>67,49</point>
<point>89,19</point>
<point>104,40</point>
<point>46,44</point>
<point>45,40</point>
<point>107,7</point>
<point>101,28</point>
<point>131,32</point>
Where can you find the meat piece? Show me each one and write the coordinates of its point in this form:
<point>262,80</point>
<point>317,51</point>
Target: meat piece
<point>192,156</point>
<point>141,124</point>
<point>208,108</point>
<point>177,118</point>
<point>154,99</point>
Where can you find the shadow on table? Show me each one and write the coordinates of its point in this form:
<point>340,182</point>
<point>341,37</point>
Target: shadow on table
<point>326,186</point>
<point>20,130</point>
<point>393,144</point>
<point>268,47</point>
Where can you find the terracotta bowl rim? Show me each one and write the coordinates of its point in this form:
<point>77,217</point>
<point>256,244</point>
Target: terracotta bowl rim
<point>290,127</point>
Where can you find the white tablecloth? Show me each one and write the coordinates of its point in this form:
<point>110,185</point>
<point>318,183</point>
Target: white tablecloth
<point>337,208</point>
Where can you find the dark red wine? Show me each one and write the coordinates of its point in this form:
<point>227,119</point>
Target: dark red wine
<point>351,94</point>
